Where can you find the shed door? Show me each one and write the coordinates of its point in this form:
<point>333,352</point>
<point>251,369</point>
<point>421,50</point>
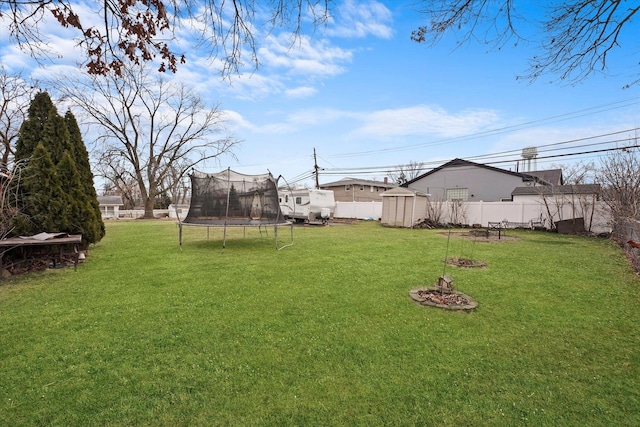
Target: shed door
<point>400,212</point>
<point>408,211</point>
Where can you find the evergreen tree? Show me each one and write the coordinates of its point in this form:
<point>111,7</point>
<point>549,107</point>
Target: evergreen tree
<point>32,129</point>
<point>82,217</point>
<point>55,137</point>
<point>44,205</point>
<point>56,195</point>
<point>80,157</point>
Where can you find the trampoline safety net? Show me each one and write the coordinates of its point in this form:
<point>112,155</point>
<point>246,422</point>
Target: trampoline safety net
<point>228,198</point>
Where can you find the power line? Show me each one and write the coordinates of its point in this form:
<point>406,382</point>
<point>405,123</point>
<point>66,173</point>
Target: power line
<point>502,130</point>
<point>385,169</point>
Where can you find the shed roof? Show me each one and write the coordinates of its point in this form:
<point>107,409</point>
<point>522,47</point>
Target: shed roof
<point>402,192</point>
<point>110,200</point>
<point>549,190</point>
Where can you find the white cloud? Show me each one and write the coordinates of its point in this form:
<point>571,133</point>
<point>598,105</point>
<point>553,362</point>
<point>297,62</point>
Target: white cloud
<point>315,116</point>
<point>253,86</point>
<point>236,122</point>
<point>306,57</point>
<point>301,92</point>
<point>15,59</point>
<point>361,19</point>
<point>424,120</point>
<point>419,120</point>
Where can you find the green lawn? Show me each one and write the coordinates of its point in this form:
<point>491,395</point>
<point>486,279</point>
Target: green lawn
<point>322,333</point>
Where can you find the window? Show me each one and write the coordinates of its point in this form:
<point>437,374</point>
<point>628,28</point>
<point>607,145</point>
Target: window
<point>362,188</point>
<point>457,194</point>
<point>298,200</point>
<point>347,188</point>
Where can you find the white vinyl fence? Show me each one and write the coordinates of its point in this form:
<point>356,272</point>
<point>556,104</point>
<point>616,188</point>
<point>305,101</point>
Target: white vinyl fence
<point>358,210</point>
<point>596,217</point>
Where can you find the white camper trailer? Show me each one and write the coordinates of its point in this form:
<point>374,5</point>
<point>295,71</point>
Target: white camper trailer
<point>307,205</point>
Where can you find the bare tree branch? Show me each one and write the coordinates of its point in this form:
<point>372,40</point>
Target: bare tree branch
<point>405,173</point>
<point>138,31</point>
<point>618,175</point>
<point>578,35</point>
<point>15,97</point>
<point>151,130</point>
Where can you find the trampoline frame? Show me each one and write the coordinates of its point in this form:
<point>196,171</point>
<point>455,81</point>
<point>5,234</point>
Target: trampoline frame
<point>253,223</point>
<point>225,226</point>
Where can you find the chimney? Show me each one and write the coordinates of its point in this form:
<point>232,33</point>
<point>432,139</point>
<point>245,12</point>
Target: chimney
<point>386,180</point>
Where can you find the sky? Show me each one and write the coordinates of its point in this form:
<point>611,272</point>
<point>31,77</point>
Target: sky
<point>366,99</point>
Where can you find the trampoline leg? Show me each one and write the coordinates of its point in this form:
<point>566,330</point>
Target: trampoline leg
<point>180,234</point>
<point>291,236</point>
<point>224,236</point>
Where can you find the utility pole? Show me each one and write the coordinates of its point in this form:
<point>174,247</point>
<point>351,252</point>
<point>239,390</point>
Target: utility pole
<point>316,168</point>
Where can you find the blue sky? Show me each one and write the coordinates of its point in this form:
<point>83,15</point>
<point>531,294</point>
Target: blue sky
<point>367,98</point>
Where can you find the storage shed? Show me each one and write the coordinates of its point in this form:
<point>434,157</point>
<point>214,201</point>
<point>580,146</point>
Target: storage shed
<point>402,207</point>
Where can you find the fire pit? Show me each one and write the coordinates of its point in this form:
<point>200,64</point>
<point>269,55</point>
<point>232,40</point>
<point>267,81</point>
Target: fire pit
<point>466,263</point>
<point>442,295</point>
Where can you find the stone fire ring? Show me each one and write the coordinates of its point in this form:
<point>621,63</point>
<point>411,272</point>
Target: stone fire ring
<point>448,301</point>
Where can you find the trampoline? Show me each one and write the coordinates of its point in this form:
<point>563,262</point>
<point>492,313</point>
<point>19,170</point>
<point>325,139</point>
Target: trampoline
<point>231,199</point>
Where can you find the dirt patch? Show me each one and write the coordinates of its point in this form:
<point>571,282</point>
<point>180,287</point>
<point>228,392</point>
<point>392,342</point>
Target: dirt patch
<point>466,263</point>
<point>434,297</point>
<point>482,236</point>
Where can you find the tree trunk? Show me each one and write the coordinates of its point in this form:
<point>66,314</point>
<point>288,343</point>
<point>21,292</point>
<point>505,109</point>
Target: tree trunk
<point>148,208</point>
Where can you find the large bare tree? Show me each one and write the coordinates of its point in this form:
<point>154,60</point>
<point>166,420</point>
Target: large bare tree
<point>115,32</point>
<point>578,36</point>
<point>15,96</point>
<point>618,175</point>
<point>148,127</point>
<point>578,173</point>
<point>405,173</point>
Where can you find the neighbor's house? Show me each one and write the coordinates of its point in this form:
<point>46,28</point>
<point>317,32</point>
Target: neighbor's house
<point>467,181</point>
<point>358,190</point>
<point>110,206</point>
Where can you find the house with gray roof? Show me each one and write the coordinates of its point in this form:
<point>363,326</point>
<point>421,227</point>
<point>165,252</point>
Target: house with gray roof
<point>358,190</point>
<point>467,181</point>
<point>578,190</point>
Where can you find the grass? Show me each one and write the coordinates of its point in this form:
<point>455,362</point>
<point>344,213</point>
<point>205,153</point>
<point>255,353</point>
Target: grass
<point>322,333</point>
